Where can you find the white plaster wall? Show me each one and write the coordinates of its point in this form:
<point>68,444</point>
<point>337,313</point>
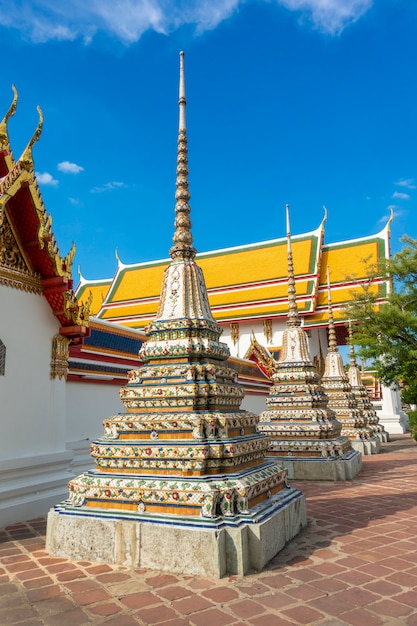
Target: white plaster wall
<point>87,405</point>
<point>32,407</point>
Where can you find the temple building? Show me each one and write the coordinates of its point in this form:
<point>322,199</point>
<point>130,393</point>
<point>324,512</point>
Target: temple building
<point>247,291</point>
<point>181,482</point>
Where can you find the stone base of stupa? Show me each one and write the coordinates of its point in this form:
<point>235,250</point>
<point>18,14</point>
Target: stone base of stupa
<point>194,546</point>
<point>367,446</point>
<point>322,468</point>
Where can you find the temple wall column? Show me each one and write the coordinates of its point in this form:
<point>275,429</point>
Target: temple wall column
<point>33,456</point>
<point>390,413</point>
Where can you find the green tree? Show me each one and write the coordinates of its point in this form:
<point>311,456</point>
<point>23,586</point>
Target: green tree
<point>387,334</point>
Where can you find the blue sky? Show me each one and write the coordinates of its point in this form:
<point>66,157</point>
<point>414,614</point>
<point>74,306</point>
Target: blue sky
<point>306,102</point>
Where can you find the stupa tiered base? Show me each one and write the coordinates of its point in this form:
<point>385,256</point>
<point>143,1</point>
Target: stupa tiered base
<point>190,544</point>
<point>307,465</point>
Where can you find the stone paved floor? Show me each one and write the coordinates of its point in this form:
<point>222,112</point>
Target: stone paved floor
<point>355,563</point>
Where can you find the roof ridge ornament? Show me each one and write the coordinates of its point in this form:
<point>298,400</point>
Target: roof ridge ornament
<point>10,112</point>
<point>27,158</point>
<point>183,239</point>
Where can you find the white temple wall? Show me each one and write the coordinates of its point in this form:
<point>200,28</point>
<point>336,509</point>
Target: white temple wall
<point>33,457</point>
<point>88,405</point>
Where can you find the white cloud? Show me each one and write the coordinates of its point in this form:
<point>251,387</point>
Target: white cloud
<point>69,168</point>
<point>107,187</point>
<point>126,20</point>
<point>45,178</point>
<point>406,182</point>
<point>400,195</point>
<point>330,16</point>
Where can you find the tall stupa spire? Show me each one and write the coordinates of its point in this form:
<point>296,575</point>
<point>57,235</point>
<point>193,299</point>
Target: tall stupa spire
<point>181,475</point>
<point>332,331</point>
<point>293,317</point>
<point>182,238</point>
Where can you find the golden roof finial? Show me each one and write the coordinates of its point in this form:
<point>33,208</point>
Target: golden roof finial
<point>293,317</point>
<point>182,238</point>
<point>26,157</point>
<point>332,330</point>
<point>11,111</point>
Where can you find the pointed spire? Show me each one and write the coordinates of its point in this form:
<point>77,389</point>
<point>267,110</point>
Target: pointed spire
<point>182,238</point>
<point>332,330</point>
<point>352,347</point>
<point>293,317</point>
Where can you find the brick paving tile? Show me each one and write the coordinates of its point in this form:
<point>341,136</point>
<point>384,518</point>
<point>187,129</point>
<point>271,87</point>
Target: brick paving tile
<point>179,621</point>
<point>186,606</point>
<point>14,599</point>
<point>44,593</point>
<point>329,585</point>
<point>221,594</point>
<point>255,589</point>
<point>82,585</point>
<point>124,620</point>
<point>162,580</point>
<point>98,569</point>
<point>29,574</point>
<point>409,598</point>
<point>35,583</point>
<point>105,608</point>
<point>212,617</point>
<point>270,620</point>
<point>246,608</point>
<point>412,620</point>
<point>303,614</point>
<point>17,614</point>
<point>328,569</point>
<point>305,575</point>
<point>359,617</point>
<point>113,577</point>
<point>75,617</point>
<point>91,596</point>
<point>156,615</point>
<point>198,583</point>
<point>276,600</point>
<point>390,608</point>
<point>383,587</point>
<point>70,575</point>
<point>354,577</point>
<point>305,592</point>
<point>276,581</point>
<point>405,580</point>
<point>56,604</point>
<point>174,593</point>
<point>138,600</point>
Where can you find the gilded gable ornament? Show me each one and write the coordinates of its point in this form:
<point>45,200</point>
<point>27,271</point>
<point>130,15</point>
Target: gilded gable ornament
<point>59,357</point>
<point>14,271</point>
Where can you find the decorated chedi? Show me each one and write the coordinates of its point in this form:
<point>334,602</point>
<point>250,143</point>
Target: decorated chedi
<point>361,394</point>
<point>181,481</point>
<point>305,434</point>
<point>341,398</point>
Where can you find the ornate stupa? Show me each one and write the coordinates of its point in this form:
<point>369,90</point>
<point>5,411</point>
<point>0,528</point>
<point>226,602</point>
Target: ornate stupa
<point>361,395</point>
<point>305,434</point>
<point>181,481</point>
<point>341,398</point>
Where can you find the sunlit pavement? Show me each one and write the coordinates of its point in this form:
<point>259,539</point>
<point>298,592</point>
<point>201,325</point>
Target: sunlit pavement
<point>355,563</point>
